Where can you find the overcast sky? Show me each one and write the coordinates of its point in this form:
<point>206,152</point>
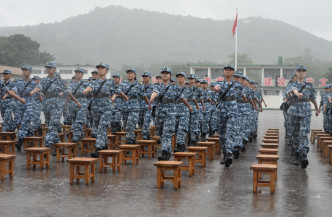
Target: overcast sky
<point>314,16</point>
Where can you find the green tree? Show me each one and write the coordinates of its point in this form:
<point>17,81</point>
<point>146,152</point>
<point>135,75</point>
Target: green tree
<point>242,59</point>
<point>17,50</point>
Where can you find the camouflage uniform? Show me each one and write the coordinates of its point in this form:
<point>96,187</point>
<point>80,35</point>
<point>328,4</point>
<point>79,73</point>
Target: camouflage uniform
<point>206,115</point>
<point>194,127</point>
<point>213,123</point>
<point>145,111</point>
<point>7,106</point>
<point>117,111</point>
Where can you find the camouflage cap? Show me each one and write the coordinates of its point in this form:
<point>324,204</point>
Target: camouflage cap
<point>301,67</point>
<point>117,75</point>
<point>94,72</point>
<point>29,68</point>
<point>50,65</point>
<point>166,69</point>
<point>180,73</point>
<point>146,74</point>
<point>7,71</point>
<point>238,73</point>
<point>79,70</point>
<point>212,84</point>
<point>36,77</point>
<point>228,66</point>
<point>158,76</point>
<point>204,81</point>
<point>131,70</point>
<point>191,76</point>
<point>104,65</point>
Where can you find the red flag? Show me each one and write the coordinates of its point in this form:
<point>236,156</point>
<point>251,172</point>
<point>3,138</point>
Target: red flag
<point>235,25</point>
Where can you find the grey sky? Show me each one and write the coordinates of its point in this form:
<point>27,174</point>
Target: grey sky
<point>312,16</point>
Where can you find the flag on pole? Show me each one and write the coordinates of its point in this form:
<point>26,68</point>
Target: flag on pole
<point>235,25</point>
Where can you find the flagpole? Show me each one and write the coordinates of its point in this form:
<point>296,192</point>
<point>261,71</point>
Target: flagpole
<point>236,44</point>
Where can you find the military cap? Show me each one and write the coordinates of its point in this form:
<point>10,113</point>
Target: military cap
<point>301,67</point>
<point>36,77</point>
<point>172,79</point>
<point>252,82</point>
<point>198,80</point>
<point>180,73</point>
<point>94,72</point>
<point>104,65</point>
<point>57,74</point>
<point>166,69</point>
<point>79,70</point>
<point>131,70</point>
<point>228,66</point>
<point>327,87</point>
<point>158,76</point>
<point>212,84</point>
<point>146,74</point>
<point>246,77</point>
<point>117,75</point>
<point>238,73</point>
<point>186,82</point>
<point>191,76</point>
<point>7,71</point>
<point>50,65</point>
<point>204,81</point>
<point>73,77</point>
<point>29,68</point>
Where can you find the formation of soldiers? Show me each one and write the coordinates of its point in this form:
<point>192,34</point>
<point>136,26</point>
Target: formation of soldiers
<point>191,107</point>
<point>297,112</point>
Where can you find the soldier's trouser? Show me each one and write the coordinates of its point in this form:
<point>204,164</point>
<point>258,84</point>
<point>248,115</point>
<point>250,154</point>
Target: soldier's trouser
<point>325,122</point>
<point>36,122</point>
<point>7,117</point>
<point>124,119</point>
<point>142,112</point>
<point>194,126</point>
<point>52,136</point>
<point>18,114</point>
<point>227,130</point>
<point>213,123</point>
<point>131,125</point>
<point>78,117</point>
<point>301,128</point>
<point>166,126</point>
<point>116,120</point>
<point>146,124</point>
<point>205,122</point>
<point>26,123</point>
<point>182,126</point>
<point>101,122</point>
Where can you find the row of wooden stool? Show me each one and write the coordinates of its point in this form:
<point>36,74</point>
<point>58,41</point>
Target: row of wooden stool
<point>267,161</point>
<point>324,142</point>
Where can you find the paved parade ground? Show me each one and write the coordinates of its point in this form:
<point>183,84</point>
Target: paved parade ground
<point>213,191</point>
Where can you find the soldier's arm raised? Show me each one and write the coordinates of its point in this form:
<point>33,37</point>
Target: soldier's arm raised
<point>13,94</point>
<point>187,104</point>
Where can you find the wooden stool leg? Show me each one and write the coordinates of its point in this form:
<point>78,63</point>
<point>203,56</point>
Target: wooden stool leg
<point>134,156</point>
<point>86,174</point>
<point>180,176</point>
<point>41,157</point>
<point>34,157</point>
<point>71,173</point>
<point>3,170</point>
<point>100,163</point>
<point>11,167</point>
<point>78,172</point>
<point>190,167</point>
<point>118,162</point>
<point>255,181</point>
<point>28,160</point>
<point>158,177</point>
<point>113,163</point>
<point>272,185</point>
<point>57,154</point>
<point>48,160</point>
<point>93,172</point>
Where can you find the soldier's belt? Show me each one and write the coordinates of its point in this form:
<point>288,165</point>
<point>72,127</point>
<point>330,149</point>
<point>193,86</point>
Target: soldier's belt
<point>167,101</point>
<point>241,101</point>
<point>80,96</point>
<point>300,100</point>
<point>133,97</point>
<point>101,95</point>
<point>206,101</point>
<point>228,99</point>
<point>51,95</point>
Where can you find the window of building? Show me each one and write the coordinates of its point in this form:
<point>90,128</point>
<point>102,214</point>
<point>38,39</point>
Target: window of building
<point>215,73</point>
<point>274,74</point>
<point>85,71</point>
<point>201,73</point>
<point>271,92</point>
<point>36,71</point>
<point>45,72</point>
<point>66,71</point>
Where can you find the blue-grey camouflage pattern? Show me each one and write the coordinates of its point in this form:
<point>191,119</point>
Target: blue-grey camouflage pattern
<point>78,114</point>
<point>300,114</point>
<point>182,116</point>
<point>227,112</point>
<point>213,118</point>
<point>166,113</point>
<point>116,123</point>
<point>7,106</point>
<point>194,124</point>
<point>244,114</point>
<point>102,108</point>
<point>53,107</point>
<point>206,115</point>
<point>145,112</point>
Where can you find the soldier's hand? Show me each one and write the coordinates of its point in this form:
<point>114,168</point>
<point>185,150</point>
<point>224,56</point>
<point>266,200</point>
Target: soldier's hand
<point>79,105</point>
<point>300,95</point>
<point>317,113</point>
<point>32,93</point>
<point>260,109</point>
<point>190,108</point>
<point>198,107</point>
<point>152,99</point>
<point>22,101</point>
<point>113,98</point>
<point>217,88</point>
<point>85,91</point>
<point>150,107</point>
<point>203,108</point>
<point>61,94</point>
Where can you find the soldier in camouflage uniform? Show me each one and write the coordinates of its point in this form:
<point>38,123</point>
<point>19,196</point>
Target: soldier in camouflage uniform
<point>166,94</point>
<point>300,115</point>
<point>133,90</point>
<point>199,95</point>
<point>101,106</point>
<point>78,112</point>
<point>8,103</point>
<point>323,101</point>
<point>327,109</point>
<point>118,105</point>
<point>36,122</point>
<point>69,106</point>
<point>227,112</point>
<point>89,96</point>
<point>206,114</point>
<point>145,112</point>
<point>182,114</point>
<point>27,110</point>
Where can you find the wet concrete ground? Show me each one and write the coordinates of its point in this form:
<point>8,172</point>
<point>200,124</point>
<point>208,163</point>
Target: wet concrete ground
<point>213,191</point>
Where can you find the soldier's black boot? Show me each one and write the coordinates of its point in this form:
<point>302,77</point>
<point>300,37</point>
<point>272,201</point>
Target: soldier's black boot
<point>40,132</point>
<point>223,158</point>
<point>304,161</point>
<point>203,137</point>
<point>95,153</point>
<point>236,152</point>
<point>164,155</point>
<point>297,159</point>
<point>229,159</point>
<point>292,152</point>
<point>180,148</point>
<point>19,144</point>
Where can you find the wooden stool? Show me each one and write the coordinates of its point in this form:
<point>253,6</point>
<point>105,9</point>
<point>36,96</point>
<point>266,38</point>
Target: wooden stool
<point>173,141</point>
<point>65,129</point>
<point>217,148</point>
<point>272,137</point>
<point>319,134</point>
<point>6,159</point>
<point>272,131</point>
<point>151,131</point>
<point>119,138</point>
<point>259,169</point>
<point>62,137</point>
<point>216,135</point>
<point>210,146</point>
<point>325,145</point>
<point>44,131</point>
<point>88,133</point>
<point>313,132</point>
<point>85,162</point>
<point>8,136</point>
<point>138,134</point>
<point>32,141</point>
<point>61,150</point>
<point>271,141</point>
<point>162,166</point>
<point>111,141</point>
<point>70,136</point>
<point>88,145</point>
<point>269,145</point>
<point>269,151</point>
<point>157,138</point>
<point>329,150</point>
<point>268,159</point>
<point>178,156</point>
<point>150,147</point>
<point>116,156</point>
<point>7,147</point>
<point>134,157</point>
<point>34,152</point>
<point>320,137</point>
<point>200,154</point>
